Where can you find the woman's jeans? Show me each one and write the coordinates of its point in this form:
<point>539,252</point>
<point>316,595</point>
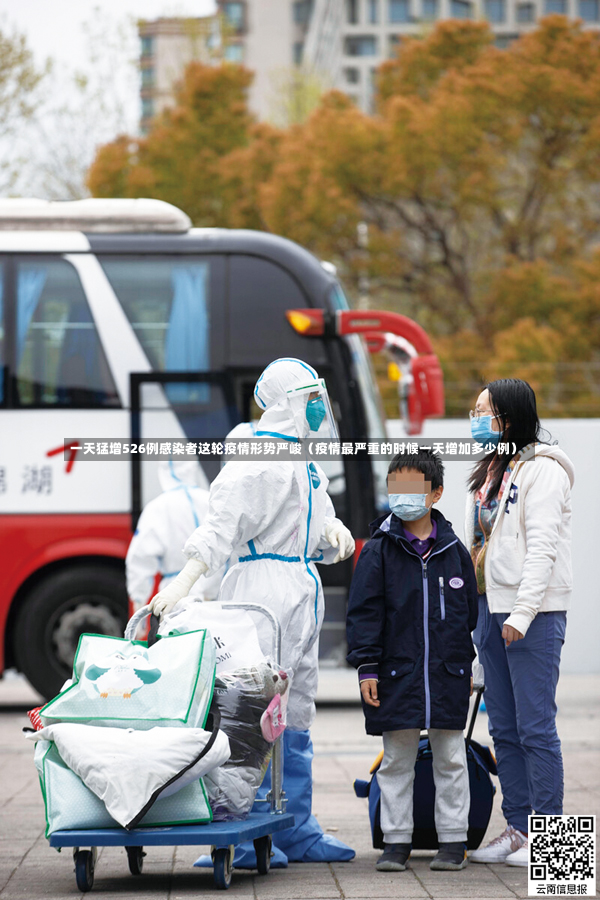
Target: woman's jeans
<point>520,689</point>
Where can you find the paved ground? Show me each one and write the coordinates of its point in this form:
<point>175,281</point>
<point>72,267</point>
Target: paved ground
<point>30,869</point>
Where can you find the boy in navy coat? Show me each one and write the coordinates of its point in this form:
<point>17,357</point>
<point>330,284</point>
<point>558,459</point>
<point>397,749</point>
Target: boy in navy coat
<point>412,608</point>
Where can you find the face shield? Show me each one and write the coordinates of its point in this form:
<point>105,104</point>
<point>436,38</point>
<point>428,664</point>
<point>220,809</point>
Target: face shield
<point>312,412</point>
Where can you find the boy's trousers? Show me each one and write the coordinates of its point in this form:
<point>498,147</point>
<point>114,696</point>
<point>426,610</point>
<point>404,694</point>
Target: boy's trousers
<point>451,776</point>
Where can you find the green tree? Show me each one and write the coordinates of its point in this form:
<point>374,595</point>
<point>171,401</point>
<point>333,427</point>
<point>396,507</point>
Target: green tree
<point>19,97</point>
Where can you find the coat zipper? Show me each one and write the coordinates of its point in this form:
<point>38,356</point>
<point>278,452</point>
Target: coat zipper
<point>426,629</point>
<point>426,635</point>
<point>442,599</point>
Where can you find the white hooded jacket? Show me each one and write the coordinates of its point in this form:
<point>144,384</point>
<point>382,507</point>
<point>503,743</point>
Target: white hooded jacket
<point>528,559</point>
<point>163,528</point>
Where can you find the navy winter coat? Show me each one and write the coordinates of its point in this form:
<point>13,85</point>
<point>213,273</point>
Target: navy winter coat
<point>409,623</point>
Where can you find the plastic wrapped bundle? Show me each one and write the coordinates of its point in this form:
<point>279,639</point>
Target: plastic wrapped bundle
<point>252,704</point>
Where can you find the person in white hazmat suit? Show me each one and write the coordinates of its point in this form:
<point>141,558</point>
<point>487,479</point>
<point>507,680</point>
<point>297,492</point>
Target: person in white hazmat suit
<point>163,528</point>
<point>277,519</point>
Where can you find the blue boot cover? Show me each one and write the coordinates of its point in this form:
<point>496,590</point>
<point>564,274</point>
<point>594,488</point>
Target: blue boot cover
<point>245,858</point>
<point>305,842</point>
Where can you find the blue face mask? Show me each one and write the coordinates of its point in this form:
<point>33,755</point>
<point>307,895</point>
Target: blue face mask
<point>482,431</point>
<point>315,413</point>
<point>409,507</point>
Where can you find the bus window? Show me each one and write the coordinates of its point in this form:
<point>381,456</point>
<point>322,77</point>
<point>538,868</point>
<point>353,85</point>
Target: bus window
<point>59,358</point>
<point>260,292</point>
<point>167,303</point>
<point>365,377</point>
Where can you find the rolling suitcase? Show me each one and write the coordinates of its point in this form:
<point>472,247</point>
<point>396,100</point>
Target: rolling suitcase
<point>481,763</point>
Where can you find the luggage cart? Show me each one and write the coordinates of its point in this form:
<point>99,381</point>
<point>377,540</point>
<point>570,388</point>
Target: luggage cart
<point>223,837</point>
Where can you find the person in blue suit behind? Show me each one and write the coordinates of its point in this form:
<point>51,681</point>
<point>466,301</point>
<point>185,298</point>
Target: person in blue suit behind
<point>412,607</point>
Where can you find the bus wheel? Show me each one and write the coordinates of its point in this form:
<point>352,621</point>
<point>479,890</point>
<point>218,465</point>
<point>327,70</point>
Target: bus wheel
<point>79,600</point>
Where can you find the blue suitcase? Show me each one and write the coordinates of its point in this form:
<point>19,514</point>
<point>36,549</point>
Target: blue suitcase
<point>481,763</point>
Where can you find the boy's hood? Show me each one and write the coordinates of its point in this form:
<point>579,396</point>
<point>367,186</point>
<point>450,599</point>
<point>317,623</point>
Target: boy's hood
<point>554,451</point>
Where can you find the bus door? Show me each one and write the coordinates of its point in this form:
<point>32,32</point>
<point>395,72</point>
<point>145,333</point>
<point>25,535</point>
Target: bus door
<point>205,405</point>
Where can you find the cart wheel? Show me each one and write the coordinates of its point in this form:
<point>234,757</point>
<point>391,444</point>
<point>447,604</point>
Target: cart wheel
<point>262,847</point>
<point>84,869</point>
<point>135,858</point>
<point>222,867</point>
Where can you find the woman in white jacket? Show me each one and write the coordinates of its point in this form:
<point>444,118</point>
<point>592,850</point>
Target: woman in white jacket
<point>518,528</point>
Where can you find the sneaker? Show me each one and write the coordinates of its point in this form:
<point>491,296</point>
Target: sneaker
<point>450,857</point>
<point>394,858</point>
<point>520,857</point>
<point>502,846</point>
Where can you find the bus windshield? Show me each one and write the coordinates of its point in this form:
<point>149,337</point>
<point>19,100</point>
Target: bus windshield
<point>367,385</point>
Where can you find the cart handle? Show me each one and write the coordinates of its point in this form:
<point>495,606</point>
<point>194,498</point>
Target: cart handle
<point>137,618</point>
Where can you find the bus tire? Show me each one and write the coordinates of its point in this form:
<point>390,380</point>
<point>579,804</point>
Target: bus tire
<point>69,602</point>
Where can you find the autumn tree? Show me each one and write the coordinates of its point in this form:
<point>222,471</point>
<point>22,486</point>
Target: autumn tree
<point>480,165</point>
<point>477,178</point>
<point>180,159</point>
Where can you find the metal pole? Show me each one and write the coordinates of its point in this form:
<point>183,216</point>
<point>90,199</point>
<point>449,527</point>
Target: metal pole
<point>276,793</point>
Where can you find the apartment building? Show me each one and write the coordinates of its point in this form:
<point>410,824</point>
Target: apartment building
<point>167,45</point>
<point>342,41</point>
<point>267,36</point>
<point>370,31</point>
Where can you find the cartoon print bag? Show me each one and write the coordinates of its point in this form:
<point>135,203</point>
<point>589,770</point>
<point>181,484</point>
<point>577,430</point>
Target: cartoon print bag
<point>126,684</point>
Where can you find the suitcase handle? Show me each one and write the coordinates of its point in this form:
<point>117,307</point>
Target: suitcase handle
<point>478,689</point>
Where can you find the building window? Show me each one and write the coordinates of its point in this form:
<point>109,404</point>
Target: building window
<point>234,13</point>
<point>393,45</point>
<point>147,46</point>
<point>352,12</point>
<point>525,12</point>
<point>234,53</point>
<point>556,6</point>
<point>461,9</point>
<point>147,107</point>
<point>352,75</point>
<point>429,10</point>
<point>495,11</point>
<point>373,12</point>
<point>297,52</point>
<point>302,11</point>
<point>502,41</point>
<point>148,77</point>
<point>361,45</point>
<point>399,11</point>
<point>588,10</point>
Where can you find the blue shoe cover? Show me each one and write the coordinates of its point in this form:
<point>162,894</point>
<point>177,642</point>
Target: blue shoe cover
<point>306,841</point>
<point>245,858</point>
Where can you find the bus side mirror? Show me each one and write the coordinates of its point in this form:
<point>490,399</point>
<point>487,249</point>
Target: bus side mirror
<point>426,396</point>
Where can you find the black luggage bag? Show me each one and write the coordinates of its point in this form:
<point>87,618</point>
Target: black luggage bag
<point>481,763</point>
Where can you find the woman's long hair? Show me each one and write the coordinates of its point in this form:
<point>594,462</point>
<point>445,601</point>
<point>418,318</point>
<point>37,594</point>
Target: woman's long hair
<point>513,402</point>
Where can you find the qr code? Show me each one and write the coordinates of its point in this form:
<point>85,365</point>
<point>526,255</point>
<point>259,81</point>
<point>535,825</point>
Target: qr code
<point>562,856</point>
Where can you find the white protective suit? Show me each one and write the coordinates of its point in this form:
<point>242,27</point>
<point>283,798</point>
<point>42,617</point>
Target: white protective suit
<point>163,528</point>
<point>272,515</point>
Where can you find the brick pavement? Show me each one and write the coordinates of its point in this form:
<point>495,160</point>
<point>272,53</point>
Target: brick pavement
<point>29,869</point>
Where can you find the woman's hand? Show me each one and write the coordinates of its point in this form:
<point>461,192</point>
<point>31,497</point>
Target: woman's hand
<point>510,634</point>
<point>368,689</point>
